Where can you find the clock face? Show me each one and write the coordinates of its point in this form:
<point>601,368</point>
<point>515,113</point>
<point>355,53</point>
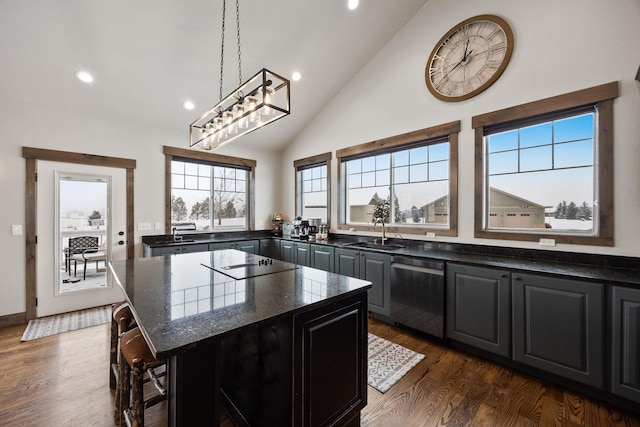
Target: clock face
<point>469,58</point>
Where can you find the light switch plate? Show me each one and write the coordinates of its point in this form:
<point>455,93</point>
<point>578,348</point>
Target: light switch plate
<point>158,226</point>
<point>144,226</point>
<point>430,234</point>
<point>16,230</point>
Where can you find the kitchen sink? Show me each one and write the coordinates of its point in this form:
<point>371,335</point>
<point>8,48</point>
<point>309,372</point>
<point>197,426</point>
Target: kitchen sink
<point>376,245</point>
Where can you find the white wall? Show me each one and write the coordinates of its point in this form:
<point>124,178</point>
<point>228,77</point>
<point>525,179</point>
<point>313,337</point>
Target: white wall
<point>560,46</point>
<point>23,125</point>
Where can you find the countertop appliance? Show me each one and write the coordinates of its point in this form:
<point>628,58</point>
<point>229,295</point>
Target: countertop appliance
<point>417,294</point>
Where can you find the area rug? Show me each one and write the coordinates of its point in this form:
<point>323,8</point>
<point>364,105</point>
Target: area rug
<point>388,362</point>
<point>52,325</point>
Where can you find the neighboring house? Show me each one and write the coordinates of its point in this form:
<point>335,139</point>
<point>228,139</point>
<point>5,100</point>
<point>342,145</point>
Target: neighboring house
<point>510,211</point>
<point>437,211</point>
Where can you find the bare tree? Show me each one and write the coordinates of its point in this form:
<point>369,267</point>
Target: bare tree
<point>224,191</point>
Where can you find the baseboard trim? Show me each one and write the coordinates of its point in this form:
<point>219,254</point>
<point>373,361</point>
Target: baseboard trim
<point>13,319</point>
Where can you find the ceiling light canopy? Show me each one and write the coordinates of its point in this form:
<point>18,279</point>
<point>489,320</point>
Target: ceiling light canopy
<point>295,76</point>
<point>261,100</point>
<point>353,4</point>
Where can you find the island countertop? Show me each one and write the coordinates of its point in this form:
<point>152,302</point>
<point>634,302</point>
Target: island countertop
<point>185,300</point>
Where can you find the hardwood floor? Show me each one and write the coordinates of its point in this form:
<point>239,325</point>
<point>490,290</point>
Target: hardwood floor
<point>62,381</point>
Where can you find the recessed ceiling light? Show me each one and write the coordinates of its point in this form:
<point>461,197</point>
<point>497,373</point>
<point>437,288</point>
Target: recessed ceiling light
<point>353,4</point>
<point>84,76</point>
<point>296,76</point>
<point>188,105</point>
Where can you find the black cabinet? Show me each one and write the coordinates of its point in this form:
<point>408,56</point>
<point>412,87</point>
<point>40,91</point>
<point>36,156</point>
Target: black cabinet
<point>625,359</point>
<point>479,307</point>
<point>322,257</point>
<point>375,267</point>
<point>270,248</point>
<point>166,250</point>
<point>295,252</point>
<point>370,266</point>
<point>308,369</point>
<point>249,246</point>
<point>221,245</point>
<point>347,262</point>
<point>558,326</point>
<point>175,249</point>
<point>330,364</point>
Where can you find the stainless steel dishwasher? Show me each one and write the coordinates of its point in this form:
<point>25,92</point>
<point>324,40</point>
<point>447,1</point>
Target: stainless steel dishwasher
<point>417,294</point>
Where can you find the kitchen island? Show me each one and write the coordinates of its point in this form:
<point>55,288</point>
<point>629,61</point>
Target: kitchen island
<point>277,343</point>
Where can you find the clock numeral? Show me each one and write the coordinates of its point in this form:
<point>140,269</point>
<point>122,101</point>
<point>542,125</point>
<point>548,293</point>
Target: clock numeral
<point>493,34</point>
<point>497,48</point>
<point>491,66</point>
<point>437,57</point>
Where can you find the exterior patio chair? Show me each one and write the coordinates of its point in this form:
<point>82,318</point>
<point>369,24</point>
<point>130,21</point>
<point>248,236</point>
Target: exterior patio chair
<point>95,253</point>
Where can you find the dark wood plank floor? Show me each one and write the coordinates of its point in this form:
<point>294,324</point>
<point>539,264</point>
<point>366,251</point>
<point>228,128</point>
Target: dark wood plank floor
<point>62,381</point>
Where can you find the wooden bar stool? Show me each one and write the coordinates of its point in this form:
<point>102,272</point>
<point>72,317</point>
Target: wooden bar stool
<point>135,360</point>
<point>121,321</point>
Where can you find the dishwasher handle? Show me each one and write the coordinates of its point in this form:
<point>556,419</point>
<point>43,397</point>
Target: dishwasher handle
<point>418,269</point>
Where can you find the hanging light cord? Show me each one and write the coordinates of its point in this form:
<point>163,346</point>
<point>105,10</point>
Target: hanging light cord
<point>224,14</point>
<point>238,31</point>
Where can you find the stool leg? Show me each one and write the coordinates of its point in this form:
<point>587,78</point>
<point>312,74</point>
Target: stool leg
<point>124,390</point>
<point>137,396</point>
<point>113,353</point>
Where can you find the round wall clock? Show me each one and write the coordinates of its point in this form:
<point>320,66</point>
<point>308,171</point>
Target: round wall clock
<point>469,58</point>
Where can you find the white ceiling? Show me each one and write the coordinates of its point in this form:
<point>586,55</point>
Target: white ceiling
<point>148,56</point>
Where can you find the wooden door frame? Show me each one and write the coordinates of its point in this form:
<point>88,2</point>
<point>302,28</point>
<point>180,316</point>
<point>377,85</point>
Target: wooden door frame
<point>32,155</point>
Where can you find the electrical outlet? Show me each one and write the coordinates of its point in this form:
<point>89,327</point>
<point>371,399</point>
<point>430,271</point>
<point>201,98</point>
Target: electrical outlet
<point>144,226</point>
<point>547,242</point>
<point>430,234</point>
<point>16,230</point>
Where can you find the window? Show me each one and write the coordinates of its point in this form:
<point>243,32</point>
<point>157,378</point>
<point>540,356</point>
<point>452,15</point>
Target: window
<point>543,170</point>
<point>410,181</point>
<point>207,192</point>
<point>312,187</point>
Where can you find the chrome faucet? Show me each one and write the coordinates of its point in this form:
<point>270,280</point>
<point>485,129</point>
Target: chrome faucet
<point>176,236</point>
<point>381,221</point>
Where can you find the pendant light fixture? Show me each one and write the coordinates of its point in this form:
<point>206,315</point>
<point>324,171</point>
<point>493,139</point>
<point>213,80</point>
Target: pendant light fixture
<point>261,100</point>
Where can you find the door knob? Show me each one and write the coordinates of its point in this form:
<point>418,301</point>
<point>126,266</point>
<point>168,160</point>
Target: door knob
<point>120,233</point>
<point>121,242</point>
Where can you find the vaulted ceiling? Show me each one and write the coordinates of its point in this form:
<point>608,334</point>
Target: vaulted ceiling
<point>148,56</point>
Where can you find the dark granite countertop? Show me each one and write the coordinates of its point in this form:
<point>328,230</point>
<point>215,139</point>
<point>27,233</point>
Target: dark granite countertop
<point>164,240</point>
<point>180,300</point>
<point>607,268</point>
<point>593,267</point>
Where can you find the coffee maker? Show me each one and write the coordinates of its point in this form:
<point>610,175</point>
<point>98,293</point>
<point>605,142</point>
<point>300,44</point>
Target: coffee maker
<point>314,227</point>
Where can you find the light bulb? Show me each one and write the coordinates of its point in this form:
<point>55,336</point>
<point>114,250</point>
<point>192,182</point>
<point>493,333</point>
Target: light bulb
<point>268,98</point>
<point>353,4</point>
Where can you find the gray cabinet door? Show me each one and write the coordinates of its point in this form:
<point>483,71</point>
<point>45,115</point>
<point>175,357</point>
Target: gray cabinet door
<point>375,268</point>
<point>250,246</point>
<point>479,307</point>
<point>189,249</point>
<point>322,257</point>
<point>558,326</point>
<point>166,250</point>
<point>287,251</point>
<point>625,369</point>
<point>268,248</point>
<point>221,245</point>
<point>347,262</point>
<point>302,254</point>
